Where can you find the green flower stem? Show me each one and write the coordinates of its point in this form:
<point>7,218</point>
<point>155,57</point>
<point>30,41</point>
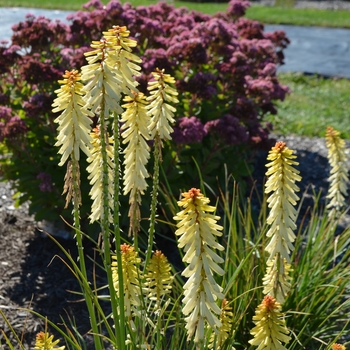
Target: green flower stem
<point>78,235</point>
<point>121,319</point>
<point>105,228</point>
<point>157,155</point>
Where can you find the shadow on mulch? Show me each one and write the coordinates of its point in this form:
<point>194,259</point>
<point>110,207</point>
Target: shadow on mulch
<point>34,275</point>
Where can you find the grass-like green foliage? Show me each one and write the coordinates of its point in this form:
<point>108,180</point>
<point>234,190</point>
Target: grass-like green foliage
<point>313,104</point>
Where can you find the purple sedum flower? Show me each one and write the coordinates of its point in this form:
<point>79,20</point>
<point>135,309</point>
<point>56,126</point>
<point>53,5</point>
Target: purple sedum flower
<point>188,130</point>
<point>228,129</point>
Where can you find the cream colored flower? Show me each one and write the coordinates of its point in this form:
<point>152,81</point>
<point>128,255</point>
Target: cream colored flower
<point>281,184</point>
<point>226,318</point>
<point>131,279</point>
<point>123,61</point>
<point>135,133</point>
<point>103,90</point>
<point>44,341</point>
<point>197,230</point>
<point>74,122</point>
<point>95,170</point>
<point>277,278</point>
<point>161,112</point>
<point>338,179</point>
<point>158,278</point>
<point>270,330</point>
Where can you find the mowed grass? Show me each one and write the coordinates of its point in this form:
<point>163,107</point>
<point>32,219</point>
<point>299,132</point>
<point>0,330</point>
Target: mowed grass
<point>264,14</point>
<point>313,104</point>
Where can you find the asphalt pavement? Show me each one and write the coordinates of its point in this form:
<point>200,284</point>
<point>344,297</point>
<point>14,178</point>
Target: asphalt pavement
<point>325,51</point>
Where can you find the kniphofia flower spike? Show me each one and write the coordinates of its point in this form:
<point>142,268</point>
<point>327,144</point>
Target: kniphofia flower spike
<point>44,341</point>
<point>270,330</point>
<point>161,112</point>
<point>131,279</point>
<point>136,154</point>
<point>95,171</point>
<point>338,179</point>
<point>281,184</point>
<point>74,122</point>
<point>197,230</point>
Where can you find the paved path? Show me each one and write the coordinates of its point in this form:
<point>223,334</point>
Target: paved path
<point>325,51</point>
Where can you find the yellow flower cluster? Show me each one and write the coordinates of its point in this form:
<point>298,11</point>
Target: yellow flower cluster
<point>339,170</point>
<point>281,182</point>
<point>74,122</point>
<point>131,279</point>
<point>198,230</point>
<point>95,171</point>
<point>44,341</point>
<point>155,283</point>
<point>270,330</point>
<point>161,112</point>
<point>158,278</point>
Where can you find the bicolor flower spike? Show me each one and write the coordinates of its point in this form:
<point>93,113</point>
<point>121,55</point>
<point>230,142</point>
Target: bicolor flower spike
<point>161,112</point>
<point>277,280</point>
<point>136,154</point>
<point>338,347</point>
<point>123,60</point>
<point>131,279</point>
<point>281,184</point>
<point>95,170</point>
<point>103,88</point>
<point>338,179</point>
<point>74,122</point>
<point>225,330</point>
<point>270,330</point>
<point>158,278</point>
<point>197,230</point>
<point>44,341</point>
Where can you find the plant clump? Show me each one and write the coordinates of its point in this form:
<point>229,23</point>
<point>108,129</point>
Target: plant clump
<point>224,69</point>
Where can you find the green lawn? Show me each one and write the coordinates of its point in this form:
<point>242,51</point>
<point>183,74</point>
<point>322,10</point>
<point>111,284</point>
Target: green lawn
<point>314,104</point>
<point>264,14</point>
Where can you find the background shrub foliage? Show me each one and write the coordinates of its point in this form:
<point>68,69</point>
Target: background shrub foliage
<point>225,70</point>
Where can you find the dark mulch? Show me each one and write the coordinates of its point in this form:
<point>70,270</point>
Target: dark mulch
<point>33,276</point>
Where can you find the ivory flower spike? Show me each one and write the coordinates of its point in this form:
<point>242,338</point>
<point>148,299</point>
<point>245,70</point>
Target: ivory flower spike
<point>281,182</point>
<point>74,122</point>
<point>198,229</point>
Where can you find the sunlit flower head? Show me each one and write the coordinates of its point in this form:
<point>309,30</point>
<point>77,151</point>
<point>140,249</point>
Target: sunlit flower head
<point>338,179</point>
<point>74,123</point>
<point>158,277</point>
<point>122,59</point>
<point>131,278</point>
<point>198,231</point>
<point>44,341</point>
<point>161,112</point>
<point>338,347</point>
<point>102,88</point>
<point>95,170</point>
<point>270,331</point>
<point>136,154</point>
<point>281,184</point>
